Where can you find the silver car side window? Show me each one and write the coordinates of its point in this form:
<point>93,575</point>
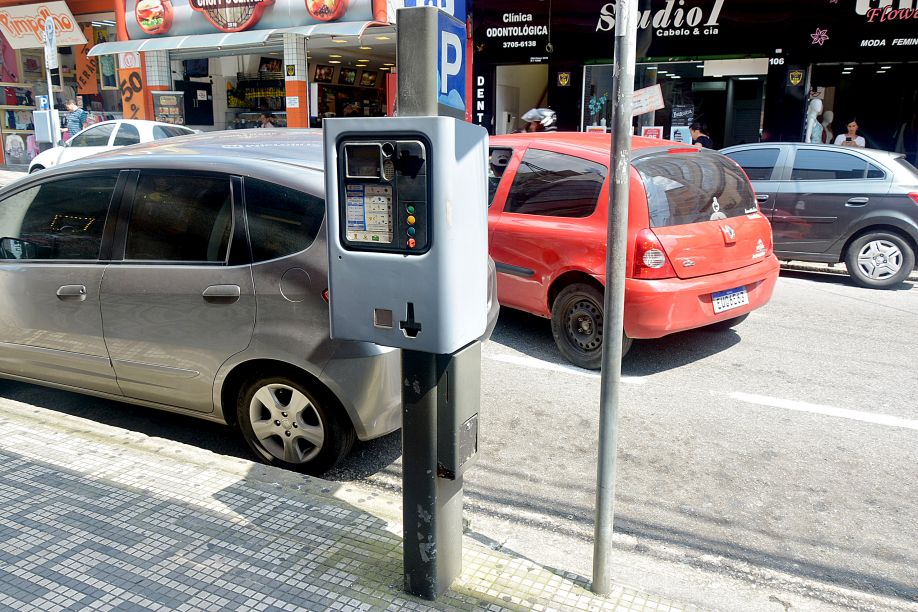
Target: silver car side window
<point>819,165</point>
<point>184,218</point>
<point>59,219</point>
<point>281,221</point>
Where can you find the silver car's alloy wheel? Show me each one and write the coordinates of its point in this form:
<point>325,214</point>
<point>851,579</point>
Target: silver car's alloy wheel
<point>879,259</point>
<point>286,423</point>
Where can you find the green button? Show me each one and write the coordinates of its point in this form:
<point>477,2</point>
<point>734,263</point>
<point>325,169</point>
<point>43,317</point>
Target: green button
<point>411,209</point>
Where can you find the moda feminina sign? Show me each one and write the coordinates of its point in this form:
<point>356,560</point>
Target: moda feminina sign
<point>154,18</point>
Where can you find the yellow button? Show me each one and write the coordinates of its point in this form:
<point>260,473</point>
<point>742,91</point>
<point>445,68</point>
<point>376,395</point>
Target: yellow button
<point>411,219</point>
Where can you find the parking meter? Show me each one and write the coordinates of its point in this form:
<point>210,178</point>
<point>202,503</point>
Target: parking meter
<point>407,231</point>
<point>408,268</point>
<point>43,120</point>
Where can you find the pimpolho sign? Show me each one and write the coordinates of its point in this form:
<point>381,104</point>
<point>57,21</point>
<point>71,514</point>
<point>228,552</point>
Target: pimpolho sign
<point>24,26</point>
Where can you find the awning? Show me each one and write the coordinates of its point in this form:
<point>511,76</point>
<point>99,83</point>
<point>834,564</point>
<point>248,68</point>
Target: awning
<point>236,43</point>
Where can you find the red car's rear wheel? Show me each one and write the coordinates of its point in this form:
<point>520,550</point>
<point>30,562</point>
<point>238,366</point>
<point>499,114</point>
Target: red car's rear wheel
<point>576,324</point>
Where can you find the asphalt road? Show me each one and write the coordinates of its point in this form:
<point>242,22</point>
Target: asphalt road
<point>782,453</point>
<point>768,467</point>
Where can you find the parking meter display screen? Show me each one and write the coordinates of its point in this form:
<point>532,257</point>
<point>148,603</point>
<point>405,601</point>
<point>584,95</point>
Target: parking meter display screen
<point>369,212</point>
<point>363,161</point>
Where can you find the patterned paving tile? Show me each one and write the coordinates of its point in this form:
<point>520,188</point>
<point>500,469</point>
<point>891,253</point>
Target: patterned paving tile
<point>94,522</point>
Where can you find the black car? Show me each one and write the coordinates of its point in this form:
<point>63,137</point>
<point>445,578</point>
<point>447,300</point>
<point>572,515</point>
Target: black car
<point>834,204</point>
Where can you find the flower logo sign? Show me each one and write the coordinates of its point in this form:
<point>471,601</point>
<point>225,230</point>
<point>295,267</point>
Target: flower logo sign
<point>820,36</point>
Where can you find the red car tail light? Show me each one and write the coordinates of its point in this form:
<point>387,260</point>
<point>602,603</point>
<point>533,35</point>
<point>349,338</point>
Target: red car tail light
<point>914,197</point>
<point>325,295</point>
<point>650,260</point>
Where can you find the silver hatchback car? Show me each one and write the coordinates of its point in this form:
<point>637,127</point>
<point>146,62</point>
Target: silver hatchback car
<point>191,275</point>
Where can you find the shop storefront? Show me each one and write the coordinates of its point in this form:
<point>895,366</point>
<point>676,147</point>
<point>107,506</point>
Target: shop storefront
<point>743,67</point>
<point>23,76</point>
<point>225,64</point>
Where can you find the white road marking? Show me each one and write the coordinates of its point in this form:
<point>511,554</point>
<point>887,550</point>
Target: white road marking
<point>855,415</point>
<point>538,364</point>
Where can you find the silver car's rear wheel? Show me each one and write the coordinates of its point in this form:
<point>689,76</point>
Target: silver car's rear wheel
<point>288,425</point>
<point>879,260</point>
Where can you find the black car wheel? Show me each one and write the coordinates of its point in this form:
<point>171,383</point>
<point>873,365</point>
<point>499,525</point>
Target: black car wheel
<point>576,324</point>
<point>879,260</point>
<point>288,425</point>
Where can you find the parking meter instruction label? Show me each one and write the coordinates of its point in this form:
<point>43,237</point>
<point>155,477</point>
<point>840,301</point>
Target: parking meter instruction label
<point>369,213</point>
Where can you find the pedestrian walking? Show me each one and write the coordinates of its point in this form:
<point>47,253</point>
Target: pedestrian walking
<point>75,119</point>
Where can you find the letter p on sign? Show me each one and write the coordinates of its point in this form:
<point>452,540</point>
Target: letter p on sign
<point>451,64</point>
<point>450,47</point>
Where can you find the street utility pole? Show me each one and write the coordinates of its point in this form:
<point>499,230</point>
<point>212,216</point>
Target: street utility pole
<point>614,300</point>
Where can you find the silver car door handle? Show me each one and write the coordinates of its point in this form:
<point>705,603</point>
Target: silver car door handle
<point>856,201</point>
<point>761,197</point>
<point>71,292</point>
<point>222,294</point>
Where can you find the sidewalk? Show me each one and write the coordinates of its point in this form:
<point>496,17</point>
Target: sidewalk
<point>93,516</point>
<point>8,176</point>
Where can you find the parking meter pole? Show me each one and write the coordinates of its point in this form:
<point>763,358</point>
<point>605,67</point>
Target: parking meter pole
<point>50,44</point>
<point>613,306</point>
<point>416,59</point>
<point>431,499</point>
<point>55,121</point>
<point>432,505</point>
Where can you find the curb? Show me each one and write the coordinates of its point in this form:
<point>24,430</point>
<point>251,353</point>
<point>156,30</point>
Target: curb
<point>838,269</point>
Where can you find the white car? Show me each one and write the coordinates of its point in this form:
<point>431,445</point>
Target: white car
<point>106,136</point>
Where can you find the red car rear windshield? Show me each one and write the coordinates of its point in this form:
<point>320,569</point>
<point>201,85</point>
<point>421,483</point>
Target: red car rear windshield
<point>694,187</point>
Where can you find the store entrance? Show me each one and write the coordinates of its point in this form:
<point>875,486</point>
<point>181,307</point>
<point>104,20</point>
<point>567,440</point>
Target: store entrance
<point>883,97</point>
<point>198,102</point>
<point>519,88</point>
<point>729,107</point>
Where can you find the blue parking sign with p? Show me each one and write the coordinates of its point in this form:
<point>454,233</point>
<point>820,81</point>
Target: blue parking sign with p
<point>451,62</point>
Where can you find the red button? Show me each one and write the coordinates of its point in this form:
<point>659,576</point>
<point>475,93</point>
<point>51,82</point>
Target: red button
<point>411,243</point>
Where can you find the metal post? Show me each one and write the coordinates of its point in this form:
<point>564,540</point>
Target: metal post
<point>431,414</point>
<point>431,503</point>
<point>613,305</point>
<point>55,120</point>
<point>416,57</point>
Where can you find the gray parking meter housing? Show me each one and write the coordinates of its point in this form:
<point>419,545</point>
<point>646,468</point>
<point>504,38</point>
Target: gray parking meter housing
<point>407,231</point>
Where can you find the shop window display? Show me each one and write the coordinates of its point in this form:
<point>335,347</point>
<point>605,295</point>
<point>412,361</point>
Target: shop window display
<point>342,91</point>
<point>92,83</point>
<point>252,96</point>
<point>729,106</point>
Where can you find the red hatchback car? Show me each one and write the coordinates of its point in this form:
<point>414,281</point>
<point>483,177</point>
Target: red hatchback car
<point>699,250</point>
